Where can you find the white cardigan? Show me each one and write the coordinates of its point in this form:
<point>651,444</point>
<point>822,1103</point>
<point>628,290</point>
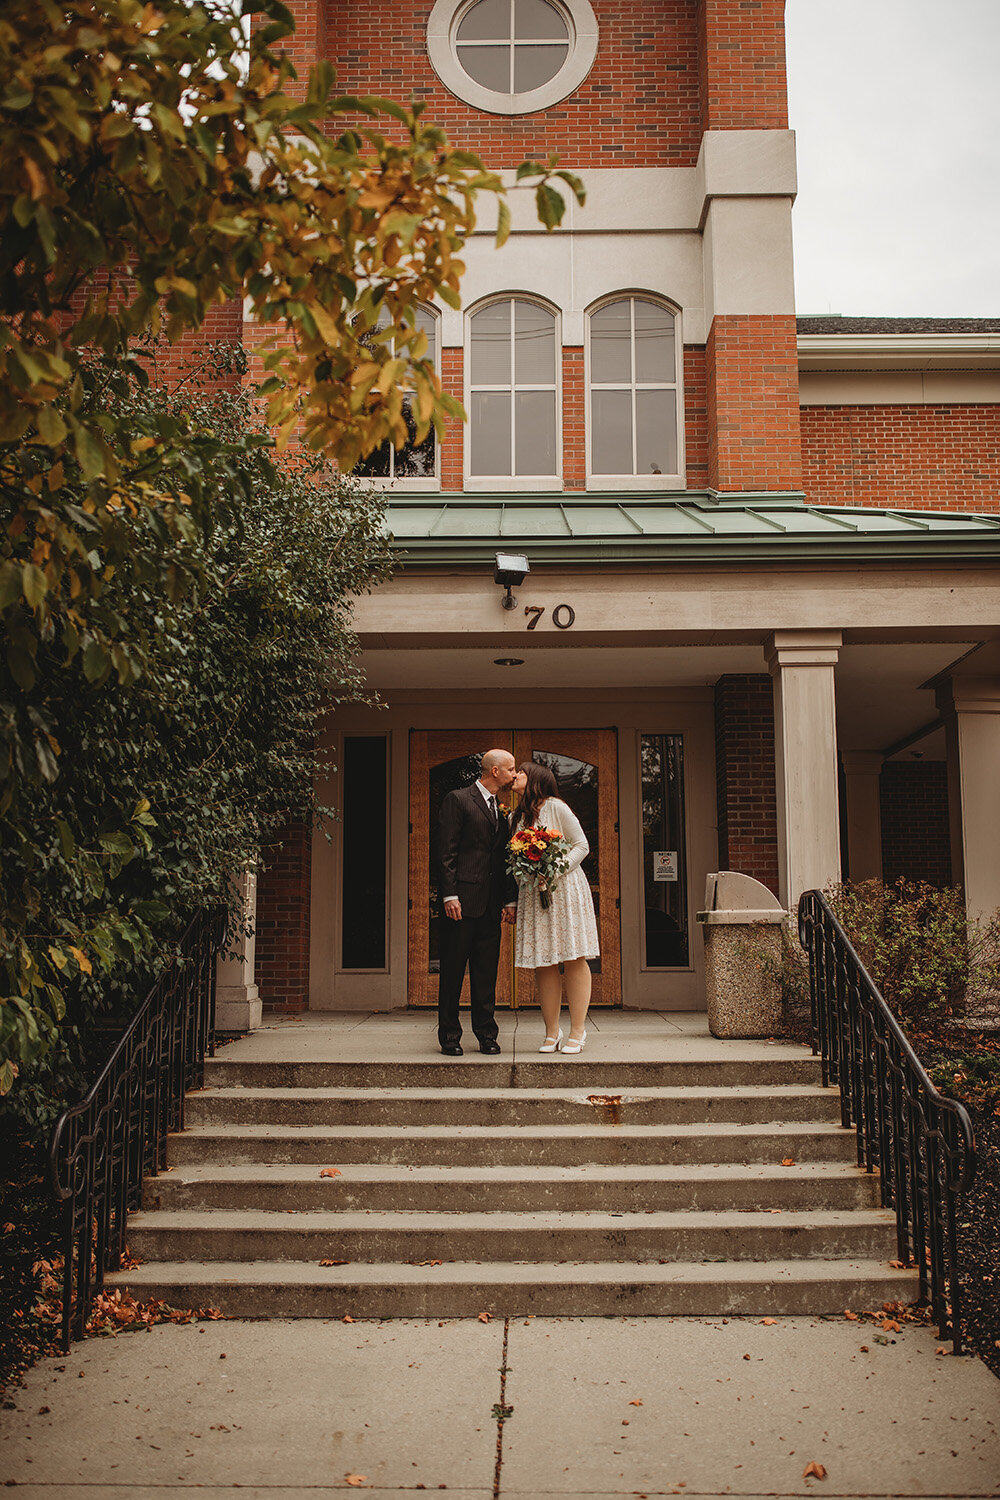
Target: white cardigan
<point>554,813</point>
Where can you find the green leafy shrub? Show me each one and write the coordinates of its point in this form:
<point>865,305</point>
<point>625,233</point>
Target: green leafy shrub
<point>164,786</point>
<point>925,957</point>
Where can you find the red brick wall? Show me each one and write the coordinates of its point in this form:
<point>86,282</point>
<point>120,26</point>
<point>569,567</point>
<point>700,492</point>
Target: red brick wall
<point>451,459</point>
<point>742,53</point>
<point>916,457</point>
<point>696,417</point>
<point>283,900</point>
<point>639,106</point>
<point>753,404</point>
<point>574,461</point>
<point>745,779</point>
<point>916,841</point>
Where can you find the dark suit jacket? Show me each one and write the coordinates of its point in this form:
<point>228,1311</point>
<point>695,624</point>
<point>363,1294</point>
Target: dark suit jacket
<point>472,853</point>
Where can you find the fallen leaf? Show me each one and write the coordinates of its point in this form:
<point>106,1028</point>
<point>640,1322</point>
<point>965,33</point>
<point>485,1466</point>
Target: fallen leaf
<point>331,1172</point>
<point>814,1471</point>
<point>788,1161</point>
<point>897,1265</point>
<point>635,1403</point>
<point>484,1317</point>
<point>354,1480</point>
<point>890,1326</point>
<point>864,1348</point>
<point>768,1322</point>
<point>746,1356</point>
<point>848,1314</point>
<point>348,1318</point>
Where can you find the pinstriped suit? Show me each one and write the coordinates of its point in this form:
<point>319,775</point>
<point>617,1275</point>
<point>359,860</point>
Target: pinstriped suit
<point>472,857</point>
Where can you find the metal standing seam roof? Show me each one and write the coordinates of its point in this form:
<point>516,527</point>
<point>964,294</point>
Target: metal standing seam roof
<point>622,526</point>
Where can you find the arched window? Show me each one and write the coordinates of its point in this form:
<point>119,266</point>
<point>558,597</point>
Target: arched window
<point>414,461</point>
<point>634,427</point>
<point>513,388</point>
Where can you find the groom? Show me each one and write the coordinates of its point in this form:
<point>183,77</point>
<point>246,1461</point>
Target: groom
<point>477,893</point>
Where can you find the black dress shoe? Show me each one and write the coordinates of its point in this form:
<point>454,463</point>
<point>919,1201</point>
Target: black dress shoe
<point>492,1049</point>
<point>453,1049</point>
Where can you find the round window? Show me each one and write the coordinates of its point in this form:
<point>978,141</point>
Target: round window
<point>512,56</point>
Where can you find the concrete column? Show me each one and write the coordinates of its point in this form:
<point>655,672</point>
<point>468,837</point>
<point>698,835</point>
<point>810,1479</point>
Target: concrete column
<point>802,665</point>
<point>237,998</point>
<point>862,769</point>
<point>970,706</point>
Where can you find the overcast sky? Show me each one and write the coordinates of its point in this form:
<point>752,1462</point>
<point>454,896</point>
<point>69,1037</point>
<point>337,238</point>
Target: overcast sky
<point>896,109</point>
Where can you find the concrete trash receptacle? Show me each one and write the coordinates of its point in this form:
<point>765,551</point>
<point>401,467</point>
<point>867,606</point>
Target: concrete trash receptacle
<point>742,928</point>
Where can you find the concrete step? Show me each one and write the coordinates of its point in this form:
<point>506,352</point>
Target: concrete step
<point>773,1288</point>
<point>476,1071</point>
<point>654,1104</point>
<point>622,1189</point>
<point>481,1145</point>
<point>248,1235</point>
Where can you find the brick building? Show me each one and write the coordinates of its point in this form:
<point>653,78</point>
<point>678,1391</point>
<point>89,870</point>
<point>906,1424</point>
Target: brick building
<point>759,630</point>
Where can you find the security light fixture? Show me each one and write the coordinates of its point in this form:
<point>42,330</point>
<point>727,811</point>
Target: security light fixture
<point>511,571</point>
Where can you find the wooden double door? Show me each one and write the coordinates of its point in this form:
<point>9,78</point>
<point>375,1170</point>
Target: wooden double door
<point>585,763</point>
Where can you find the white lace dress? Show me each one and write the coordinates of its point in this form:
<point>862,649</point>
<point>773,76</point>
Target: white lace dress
<point>568,928</point>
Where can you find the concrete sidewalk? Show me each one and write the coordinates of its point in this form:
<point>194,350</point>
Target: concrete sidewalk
<point>595,1407</point>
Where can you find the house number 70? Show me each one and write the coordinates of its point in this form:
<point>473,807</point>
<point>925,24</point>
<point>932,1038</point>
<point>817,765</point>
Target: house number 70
<point>563,615</point>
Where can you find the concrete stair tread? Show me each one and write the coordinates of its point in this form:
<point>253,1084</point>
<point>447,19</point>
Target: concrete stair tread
<point>585,1172</point>
<point>777,1091</point>
<point>516,1273</point>
<point>334,1133</point>
<point>254,1220</point>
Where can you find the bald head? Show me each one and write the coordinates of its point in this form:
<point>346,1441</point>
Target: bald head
<point>497,770</point>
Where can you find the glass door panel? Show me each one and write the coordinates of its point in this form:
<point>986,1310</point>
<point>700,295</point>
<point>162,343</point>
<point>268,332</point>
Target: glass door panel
<point>585,764</point>
<point>664,865</point>
<point>441,763</point>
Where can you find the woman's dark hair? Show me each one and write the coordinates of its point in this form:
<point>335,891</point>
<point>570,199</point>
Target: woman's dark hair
<point>541,784</point>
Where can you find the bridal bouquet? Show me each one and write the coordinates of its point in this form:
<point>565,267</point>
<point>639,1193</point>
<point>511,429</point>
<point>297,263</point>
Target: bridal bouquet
<point>537,857</point>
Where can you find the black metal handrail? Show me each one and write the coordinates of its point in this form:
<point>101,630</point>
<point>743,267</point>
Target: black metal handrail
<point>921,1142</point>
<point>102,1148</point>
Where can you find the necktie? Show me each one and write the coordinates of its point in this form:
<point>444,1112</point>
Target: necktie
<point>493,810</point>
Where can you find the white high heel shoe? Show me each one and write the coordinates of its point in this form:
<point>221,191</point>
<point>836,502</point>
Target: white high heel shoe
<point>573,1044</point>
<point>552,1043</point>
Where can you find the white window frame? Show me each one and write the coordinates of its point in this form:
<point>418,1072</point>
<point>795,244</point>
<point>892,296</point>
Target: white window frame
<point>442,28</point>
<point>513,482</point>
<point>414,484</point>
<point>636,481</point>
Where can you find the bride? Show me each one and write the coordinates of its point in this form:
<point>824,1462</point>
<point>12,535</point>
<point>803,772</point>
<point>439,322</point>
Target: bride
<point>564,933</point>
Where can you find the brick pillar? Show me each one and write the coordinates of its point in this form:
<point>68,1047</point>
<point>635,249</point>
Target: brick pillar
<point>695,417</point>
<point>916,843</point>
<point>573,401</point>
<point>745,786</point>
<point>284,891</point>
<point>308,44</point>
<point>741,51</point>
<point>754,441</point>
<point>452,377</point>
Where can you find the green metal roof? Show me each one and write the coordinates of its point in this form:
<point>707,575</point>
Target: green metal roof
<point>677,526</point>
